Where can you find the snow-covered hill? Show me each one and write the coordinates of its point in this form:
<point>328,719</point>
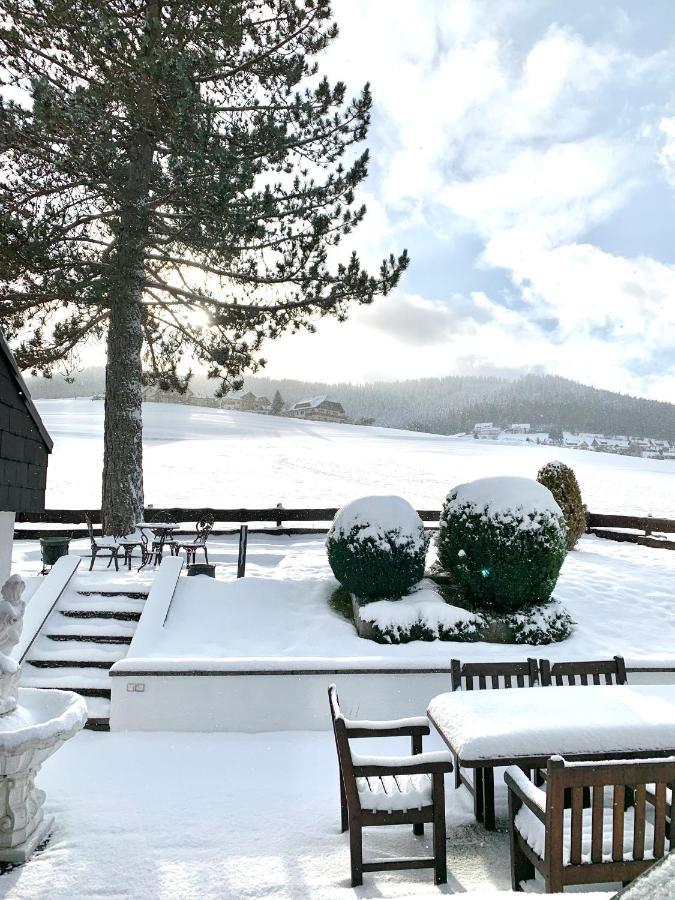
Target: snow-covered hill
<point>196,456</point>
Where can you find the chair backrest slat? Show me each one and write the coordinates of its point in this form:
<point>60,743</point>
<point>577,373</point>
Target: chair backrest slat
<point>577,825</point>
<point>583,672</point>
<point>660,820</point>
<point>494,676</point>
<point>618,805</point>
<point>639,813</point>
<point>597,822</point>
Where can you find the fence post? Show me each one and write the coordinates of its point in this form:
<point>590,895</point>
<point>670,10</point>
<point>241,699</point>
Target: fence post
<point>279,520</point>
<point>241,559</point>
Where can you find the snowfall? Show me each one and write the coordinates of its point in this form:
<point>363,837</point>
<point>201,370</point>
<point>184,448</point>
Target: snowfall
<point>172,815</point>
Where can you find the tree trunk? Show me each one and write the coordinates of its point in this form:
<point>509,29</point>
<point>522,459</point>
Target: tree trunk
<point>122,501</point>
<point>122,504</point>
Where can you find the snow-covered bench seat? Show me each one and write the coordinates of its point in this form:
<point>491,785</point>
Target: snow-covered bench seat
<point>390,790</point>
<point>615,838</point>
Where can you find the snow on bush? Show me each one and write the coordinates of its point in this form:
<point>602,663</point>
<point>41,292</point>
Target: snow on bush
<point>421,616</point>
<point>503,541</point>
<point>425,616</point>
<point>377,547</point>
<point>562,483</point>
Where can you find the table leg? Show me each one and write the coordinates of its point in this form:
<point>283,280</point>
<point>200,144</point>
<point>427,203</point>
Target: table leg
<point>489,798</point>
<point>478,794</point>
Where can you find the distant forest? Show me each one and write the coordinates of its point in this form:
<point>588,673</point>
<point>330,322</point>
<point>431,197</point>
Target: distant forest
<point>445,405</point>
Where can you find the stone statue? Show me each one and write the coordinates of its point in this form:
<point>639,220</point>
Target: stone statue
<point>12,608</point>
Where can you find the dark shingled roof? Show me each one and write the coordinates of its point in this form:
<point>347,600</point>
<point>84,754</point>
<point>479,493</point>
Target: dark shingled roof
<point>25,394</point>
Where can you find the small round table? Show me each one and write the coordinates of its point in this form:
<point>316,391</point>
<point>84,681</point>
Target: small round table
<point>161,531</point>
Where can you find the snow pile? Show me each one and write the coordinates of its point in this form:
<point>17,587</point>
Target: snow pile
<point>379,520</point>
<point>421,615</point>
<point>506,499</point>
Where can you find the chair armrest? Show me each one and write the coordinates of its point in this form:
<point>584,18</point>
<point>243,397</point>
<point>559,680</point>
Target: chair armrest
<point>434,762</point>
<point>529,794</point>
<point>416,725</point>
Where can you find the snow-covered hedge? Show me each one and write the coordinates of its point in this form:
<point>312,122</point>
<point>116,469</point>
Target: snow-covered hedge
<point>503,541</point>
<point>425,616</point>
<point>562,483</point>
<point>377,547</point>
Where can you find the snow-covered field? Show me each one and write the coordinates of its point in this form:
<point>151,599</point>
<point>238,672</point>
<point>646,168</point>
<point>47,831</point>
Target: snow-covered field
<point>234,817</point>
<point>195,456</point>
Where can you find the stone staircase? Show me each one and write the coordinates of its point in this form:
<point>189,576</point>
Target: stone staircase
<point>83,636</point>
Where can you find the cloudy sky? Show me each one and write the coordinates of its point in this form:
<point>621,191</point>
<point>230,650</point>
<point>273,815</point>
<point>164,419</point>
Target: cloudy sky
<point>524,152</point>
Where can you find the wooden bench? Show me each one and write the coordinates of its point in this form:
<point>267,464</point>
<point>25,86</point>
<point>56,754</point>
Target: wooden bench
<point>390,790</point>
<point>482,676</point>
<point>583,672</point>
<point>613,840</point>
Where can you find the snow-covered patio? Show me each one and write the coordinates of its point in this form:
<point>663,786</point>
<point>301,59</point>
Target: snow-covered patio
<point>182,816</point>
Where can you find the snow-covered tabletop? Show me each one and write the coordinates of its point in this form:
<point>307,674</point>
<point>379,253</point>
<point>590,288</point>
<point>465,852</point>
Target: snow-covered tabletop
<point>529,723</point>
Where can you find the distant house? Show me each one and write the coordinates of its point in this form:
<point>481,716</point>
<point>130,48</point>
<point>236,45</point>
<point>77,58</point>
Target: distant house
<point>247,402</point>
<point>319,409</point>
<point>25,446</point>
<point>486,430</point>
<point>152,393</point>
<point>522,428</point>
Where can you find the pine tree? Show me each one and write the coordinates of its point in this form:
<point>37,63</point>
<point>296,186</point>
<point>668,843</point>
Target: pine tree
<point>174,181</point>
<point>277,404</point>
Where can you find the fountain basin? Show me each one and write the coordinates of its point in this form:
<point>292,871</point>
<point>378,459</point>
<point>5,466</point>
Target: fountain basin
<point>42,721</point>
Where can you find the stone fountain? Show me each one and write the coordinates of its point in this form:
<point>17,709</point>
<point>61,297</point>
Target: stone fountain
<point>33,725</point>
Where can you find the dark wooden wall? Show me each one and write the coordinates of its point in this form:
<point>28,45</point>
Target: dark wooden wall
<point>23,454</point>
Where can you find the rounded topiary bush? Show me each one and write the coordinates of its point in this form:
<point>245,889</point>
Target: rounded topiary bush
<point>377,547</point>
<point>503,540</point>
<point>562,483</point>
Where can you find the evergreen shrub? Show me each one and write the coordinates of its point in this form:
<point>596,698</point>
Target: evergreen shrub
<point>377,547</point>
<point>503,541</point>
<point>562,483</point>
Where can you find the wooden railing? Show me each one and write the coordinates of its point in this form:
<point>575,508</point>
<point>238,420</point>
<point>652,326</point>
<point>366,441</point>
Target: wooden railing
<point>276,518</point>
<point>279,520</point>
<point>602,525</point>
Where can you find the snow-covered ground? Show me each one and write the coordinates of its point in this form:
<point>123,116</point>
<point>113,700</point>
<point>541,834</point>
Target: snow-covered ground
<point>200,816</point>
<point>620,596</point>
<point>196,456</point>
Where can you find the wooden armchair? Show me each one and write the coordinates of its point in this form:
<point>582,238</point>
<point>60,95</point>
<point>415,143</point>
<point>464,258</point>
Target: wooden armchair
<point>613,840</point>
<point>390,790</point>
<point>583,672</point>
<point>488,676</point>
<point>103,545</point>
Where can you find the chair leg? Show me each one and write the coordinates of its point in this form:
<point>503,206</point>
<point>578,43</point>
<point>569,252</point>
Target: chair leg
<point>93,559</point>
<point>117,562</point>
<point>489,798</point>
<point>344,815</point>
<point>458,780</point>
<point>440,849</point>
<point>521,868</point>
<point>356,851</point>
<point>206,555</point>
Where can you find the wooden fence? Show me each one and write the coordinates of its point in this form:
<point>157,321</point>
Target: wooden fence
<point>279,520</point>
<point>274,520</point>
<point>604,525</point>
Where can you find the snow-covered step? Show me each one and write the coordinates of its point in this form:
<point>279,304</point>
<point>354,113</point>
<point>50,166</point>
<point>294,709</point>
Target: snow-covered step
<point>93,627</point>
<point>101,603</point>
<point>66,678</point>
<point>46,652</point>
<point>98,707</point>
